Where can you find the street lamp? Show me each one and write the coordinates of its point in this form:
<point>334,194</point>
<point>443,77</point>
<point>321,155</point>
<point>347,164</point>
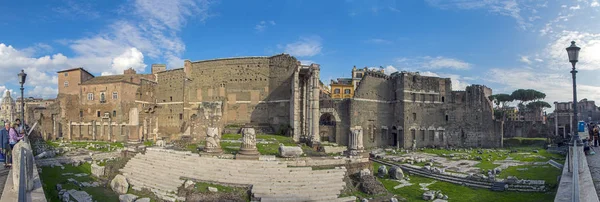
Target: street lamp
<point>22,78</point>
<point>573,52</point>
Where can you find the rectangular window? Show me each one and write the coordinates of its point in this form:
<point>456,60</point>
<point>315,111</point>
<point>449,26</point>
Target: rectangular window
<point>66,73</point>
<point>414,97</point>
<point>98,113</point>
<point>347,91</point>
<point>180,116</point>
<point>66,84</point>
<point>413,134</point>
<point>423,135</point>
<point>336,91</point>
<point>423,97</point>
<point>432,98</point>
<point>102,98</point>
<point>114,113</point>
<point>90,96</point>
<point>80,113</point>
<point>115,95</point>
<point>414,116</point>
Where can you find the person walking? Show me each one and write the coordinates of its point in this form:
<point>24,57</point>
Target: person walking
<point>596,134</point>
<point>4,142</point>
<point>14,138</point>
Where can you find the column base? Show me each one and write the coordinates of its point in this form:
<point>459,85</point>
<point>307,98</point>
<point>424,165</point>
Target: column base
<point>247,156</point>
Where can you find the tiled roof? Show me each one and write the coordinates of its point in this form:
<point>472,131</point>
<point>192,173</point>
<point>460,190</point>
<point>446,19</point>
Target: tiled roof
<point>73,69</point>
<point>111,79</point>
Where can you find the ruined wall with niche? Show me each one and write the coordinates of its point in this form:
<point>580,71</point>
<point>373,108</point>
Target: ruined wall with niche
<point>472,113</point>
<point>252,90</point>
<point>372,108</point>
<point>339,109</point>
<point>424,109</point>
<point>527,129</point>
<point>169,98</point>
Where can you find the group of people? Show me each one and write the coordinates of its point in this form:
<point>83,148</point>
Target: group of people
<point>10,135</point>
<point>593,139</point>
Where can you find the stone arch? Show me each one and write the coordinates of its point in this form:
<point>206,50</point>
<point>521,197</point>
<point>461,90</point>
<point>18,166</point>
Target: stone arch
<point>328,122</point>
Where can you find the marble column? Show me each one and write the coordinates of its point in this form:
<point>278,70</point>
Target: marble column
<point>109,128</point>
<point>556,124</point>
<point>248,142</point>
<point>355,142</point>
<point>54,128</point>
<point>316,137</point>
<point>295,107</point>
<point>102,128</point>
<point>93,130</point>
<point>213,140</point>
<point>70,130</point>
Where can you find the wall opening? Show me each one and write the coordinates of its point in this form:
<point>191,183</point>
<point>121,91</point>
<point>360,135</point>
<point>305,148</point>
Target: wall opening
<point>98,113</point>
<point>423,135</point>
<point>442,98</point>
<point>414,115</point>
<point>446,117</point>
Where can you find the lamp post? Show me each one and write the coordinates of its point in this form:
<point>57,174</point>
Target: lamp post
<point>573,52</point>
<point>22,78</point>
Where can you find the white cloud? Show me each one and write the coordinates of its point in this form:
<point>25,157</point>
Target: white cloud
<point>390,69</point>
<point>43,91</point>
<point>131,58</point>
<point>262,25</point>
<point>525,59</point>
<point>443,62</point>
<point>589,56</point>
<point>379,41</point>
<point>305,47</point>
<point>595,4</point>
<point>77,9</point>
<point>509,8</point>
<point>575,7</point>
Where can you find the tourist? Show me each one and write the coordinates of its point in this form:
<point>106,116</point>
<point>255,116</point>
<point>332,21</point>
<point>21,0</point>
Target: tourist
<point>596,136</point>
<point>4,143</point>
<point>20,128</point>
<point>13,139</point>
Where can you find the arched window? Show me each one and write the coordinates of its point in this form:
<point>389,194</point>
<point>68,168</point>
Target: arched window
<point>347,91</point>
<point>336,91</point>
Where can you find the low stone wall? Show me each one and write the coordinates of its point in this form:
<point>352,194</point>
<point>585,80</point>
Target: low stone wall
<point>11,192</point>
<point>587,192</point>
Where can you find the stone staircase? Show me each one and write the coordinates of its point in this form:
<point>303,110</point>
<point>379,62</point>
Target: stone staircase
<point>163,171</point>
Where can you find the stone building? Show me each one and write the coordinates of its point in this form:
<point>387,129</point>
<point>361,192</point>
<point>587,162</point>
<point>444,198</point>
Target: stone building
<point>406,108</point>
<point>8,108</point>
<point>562,117</point>
<point>273,95</point>
<point>32,103</point>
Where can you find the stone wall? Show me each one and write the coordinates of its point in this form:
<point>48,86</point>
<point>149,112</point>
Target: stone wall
<point>527,129</point>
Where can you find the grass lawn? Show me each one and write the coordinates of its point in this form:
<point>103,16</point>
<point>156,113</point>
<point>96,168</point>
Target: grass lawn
<point>543,172</point>
<point>495,155</point>
<point>459,193</point>
<point>52,176</point>
<point>242,193</point>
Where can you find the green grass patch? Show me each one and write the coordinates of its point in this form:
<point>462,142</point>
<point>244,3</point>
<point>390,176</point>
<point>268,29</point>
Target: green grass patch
<point>521,141</point>
<point>148,143</point>
<point>202,187</point>
<point>457,192</point>
<point>52,176</point>
<point>541,172</point>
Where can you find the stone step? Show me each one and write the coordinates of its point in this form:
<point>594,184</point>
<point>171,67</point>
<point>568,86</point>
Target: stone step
<point>332,193</point>
<point>161,179</point>
<point>274,173</point>
<point>241,178</point>
<point>221,162</point>
<point>160,183</point>
<point>267,190</point>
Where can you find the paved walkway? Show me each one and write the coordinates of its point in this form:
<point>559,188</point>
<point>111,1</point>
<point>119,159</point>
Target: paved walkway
<point>3,175</point>
<point>594,165</point>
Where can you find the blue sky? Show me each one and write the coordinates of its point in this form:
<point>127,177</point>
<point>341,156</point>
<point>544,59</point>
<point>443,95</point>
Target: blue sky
<point>504,45</point>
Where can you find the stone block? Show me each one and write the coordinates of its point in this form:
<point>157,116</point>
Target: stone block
<point>127,198</point>
<point>290,151</point>
<point>119,184</point>
<point>382,171</point>
<point>396,173</point>
<point>333,150</point>
<point>143,200</point>
<point>17,161</point>
<point>213,189</point>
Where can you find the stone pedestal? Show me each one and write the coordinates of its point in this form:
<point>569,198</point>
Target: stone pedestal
<point>213,141</point>
<point>248,149</point>
<point>355,141</point>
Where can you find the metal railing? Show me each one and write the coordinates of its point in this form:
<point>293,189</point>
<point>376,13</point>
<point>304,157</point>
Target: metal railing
<point>575,170</point>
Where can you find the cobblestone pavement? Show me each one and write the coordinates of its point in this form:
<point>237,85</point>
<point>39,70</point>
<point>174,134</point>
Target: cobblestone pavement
<point>594,165</point>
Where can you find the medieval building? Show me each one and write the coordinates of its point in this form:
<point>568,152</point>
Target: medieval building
<point>274,95</point>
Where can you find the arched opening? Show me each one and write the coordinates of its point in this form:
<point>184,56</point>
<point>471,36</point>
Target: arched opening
<point>394,137</point>
<point>327,125</point>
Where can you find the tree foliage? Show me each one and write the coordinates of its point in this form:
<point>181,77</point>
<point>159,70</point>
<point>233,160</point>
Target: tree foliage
<point>538,105</point>
<point>501,99</point>
<point>526,95</point>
